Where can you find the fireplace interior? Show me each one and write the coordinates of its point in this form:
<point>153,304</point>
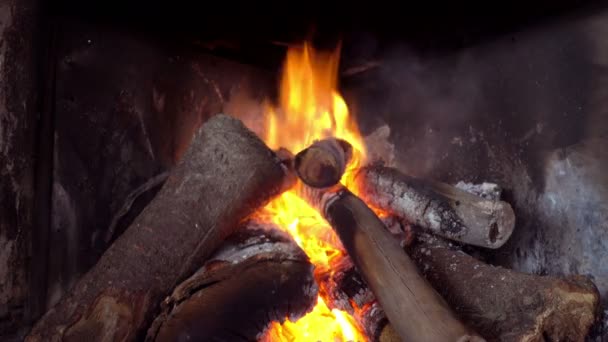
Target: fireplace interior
<point>139,185</point>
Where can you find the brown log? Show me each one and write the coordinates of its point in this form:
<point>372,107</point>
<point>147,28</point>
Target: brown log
<point>414,308</point>
<point>226,173</point>
<point>323,163</point>
<point>259,275</point>
<point>505,305</point>
<point>441,208</point>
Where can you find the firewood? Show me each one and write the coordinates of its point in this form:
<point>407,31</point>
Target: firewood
<point>323,163</point>
<point>414,308</point>
<point>226,173</point>
<point>345,289</point>
<point>259,275</point>
<point>505,305</point>
<point>441,208</point>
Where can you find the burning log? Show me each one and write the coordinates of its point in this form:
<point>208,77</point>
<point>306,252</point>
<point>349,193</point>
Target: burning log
<point>345,289</point>
<point>224,176</point>
<point>505,305</point>
<point>259,275</point>
<point>414,308</point>
<point>443,209</point>
<point>323,163</point>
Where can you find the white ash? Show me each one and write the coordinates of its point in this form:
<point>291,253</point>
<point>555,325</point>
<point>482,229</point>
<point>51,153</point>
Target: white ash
<point>236,254</point>
<point>489,191</point>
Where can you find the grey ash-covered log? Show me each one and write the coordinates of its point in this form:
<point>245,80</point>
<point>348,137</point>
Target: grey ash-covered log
<point>259,275</point>
<point>226,174</point>
<point>441,208</point>
<point>505,305</point>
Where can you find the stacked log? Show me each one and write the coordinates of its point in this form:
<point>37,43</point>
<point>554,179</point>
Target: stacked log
<point>500,304</point>
<point>414,308</point>
<point>227,173</point>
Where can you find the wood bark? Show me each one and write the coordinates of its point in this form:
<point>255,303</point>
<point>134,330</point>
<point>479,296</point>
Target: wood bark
<point>443,209</point>
<point>414,308</point>
<point>226,173</point>
<point>259,275</point>
<point>505,305</point>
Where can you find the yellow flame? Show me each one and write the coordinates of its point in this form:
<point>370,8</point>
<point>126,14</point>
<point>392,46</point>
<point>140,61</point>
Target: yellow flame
<point>311,108</point>
<point>321,324</point>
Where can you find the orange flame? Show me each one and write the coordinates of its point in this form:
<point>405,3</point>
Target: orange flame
<point>321,324</point>
<point>310,109</point>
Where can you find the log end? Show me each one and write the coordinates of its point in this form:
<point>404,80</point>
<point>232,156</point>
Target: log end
<point>322,164</point>
<point>388,334</point>
<point>502,227</point>
<point>572,312</point>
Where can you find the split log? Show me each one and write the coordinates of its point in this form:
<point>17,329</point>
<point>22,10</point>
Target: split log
<point>441,208</point>
<point>414,308</point>
<point>505,305</point>
<point>226,173</point>
<point>258,276</point>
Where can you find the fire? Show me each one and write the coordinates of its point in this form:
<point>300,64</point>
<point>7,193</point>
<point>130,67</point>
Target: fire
<point>311,108</point>
<point>321,324</point>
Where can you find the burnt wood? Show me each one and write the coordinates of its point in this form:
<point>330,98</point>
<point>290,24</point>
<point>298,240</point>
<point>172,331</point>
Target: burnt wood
<point>226,173</point>
<point>323,163</point>
<point>416,311</point>
<point>505,305</point>
<point>441,208</point>
<point>345,289</point>
<point>259,275</point>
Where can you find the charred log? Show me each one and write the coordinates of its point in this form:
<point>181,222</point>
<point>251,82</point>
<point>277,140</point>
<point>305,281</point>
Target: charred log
<point>414,308</point>
<point>345,289</point>
<point>323,163</point>
<point>504,305</point>
<point>259,275</point>
<point>443,209</point>
<point>226,174</point>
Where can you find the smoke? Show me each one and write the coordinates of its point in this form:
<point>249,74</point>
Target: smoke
<point>428,103</point>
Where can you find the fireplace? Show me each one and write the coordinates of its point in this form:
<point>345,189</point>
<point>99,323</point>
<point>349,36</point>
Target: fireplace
<point>103,107</point>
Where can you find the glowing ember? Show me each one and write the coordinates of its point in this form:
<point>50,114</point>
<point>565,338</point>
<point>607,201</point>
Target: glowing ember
<point>311,108</point>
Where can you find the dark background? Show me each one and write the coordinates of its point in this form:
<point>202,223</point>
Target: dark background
<point>433,27</point>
